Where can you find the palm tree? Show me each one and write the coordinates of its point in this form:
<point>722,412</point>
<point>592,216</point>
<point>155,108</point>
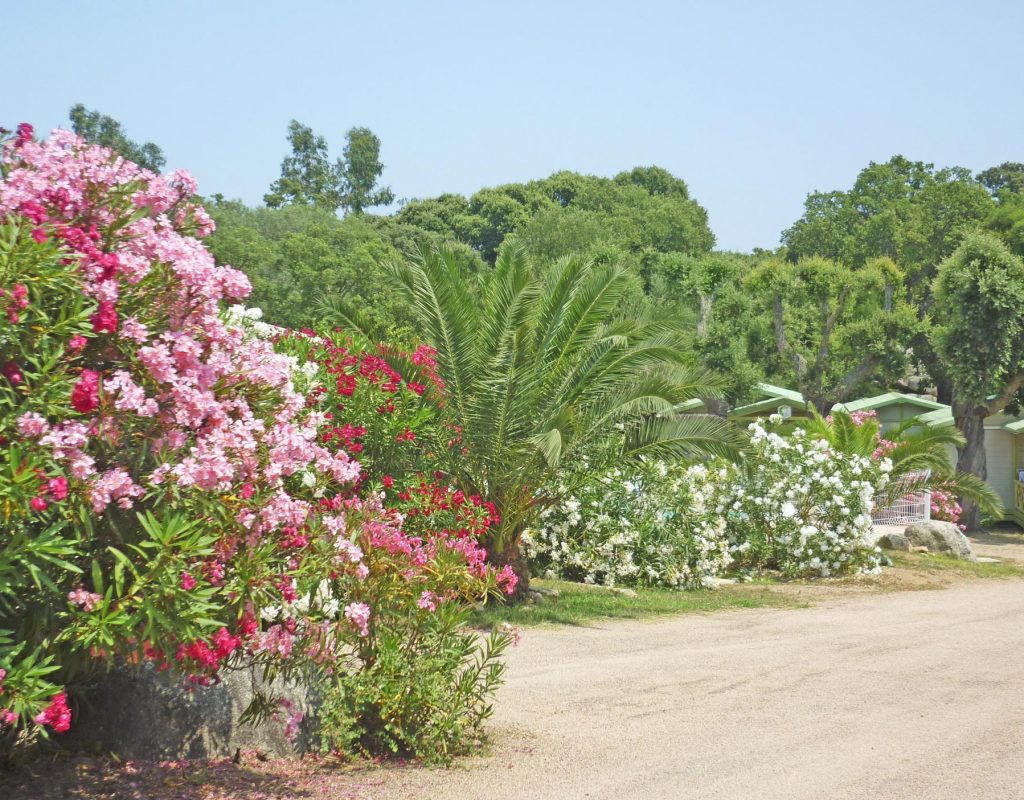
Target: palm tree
<point>922,456</point>
<point>538,366</point>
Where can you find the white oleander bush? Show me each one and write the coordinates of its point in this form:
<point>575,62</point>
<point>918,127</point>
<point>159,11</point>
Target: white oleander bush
<point>797,506</point>
<point>651,524</point>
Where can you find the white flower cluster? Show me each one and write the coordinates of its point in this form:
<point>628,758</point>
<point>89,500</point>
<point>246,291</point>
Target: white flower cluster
<point>250,320</point>
<point>654,525</point>
<point>797,506</point>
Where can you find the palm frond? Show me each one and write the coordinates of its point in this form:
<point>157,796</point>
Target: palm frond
<point>447,313</point>
<point>685,437</point>
<point>343,314</point>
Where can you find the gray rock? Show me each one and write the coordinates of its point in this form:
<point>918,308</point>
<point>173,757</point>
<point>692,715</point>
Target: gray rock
<point>940,537</point>
<point>143,715</point>
<point>893,541</point>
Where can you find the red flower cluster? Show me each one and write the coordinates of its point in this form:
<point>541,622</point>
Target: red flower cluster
<point>85,395</point>
<point>105,319</point>
<point>12,372</point>
<point>57,715</point>
<point>24,134</point>
<point>207,656</point>
<point>346,437</point>
<point>55,489</point>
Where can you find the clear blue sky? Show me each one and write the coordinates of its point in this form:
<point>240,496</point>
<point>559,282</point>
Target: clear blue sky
<point>754,104</point>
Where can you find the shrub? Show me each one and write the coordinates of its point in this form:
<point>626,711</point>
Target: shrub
<point>798,506</point>
<point>652,524</point>
<point>169,494</point>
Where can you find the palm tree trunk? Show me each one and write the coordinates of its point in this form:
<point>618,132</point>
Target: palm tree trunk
<point>510,553</point>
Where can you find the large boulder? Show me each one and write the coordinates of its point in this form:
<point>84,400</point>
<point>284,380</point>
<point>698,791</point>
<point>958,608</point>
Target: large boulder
<point>144,715</point>
<point>892,540</point>
<point>940,537</point>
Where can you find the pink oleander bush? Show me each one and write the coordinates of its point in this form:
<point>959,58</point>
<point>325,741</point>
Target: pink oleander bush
<point>169,495</point>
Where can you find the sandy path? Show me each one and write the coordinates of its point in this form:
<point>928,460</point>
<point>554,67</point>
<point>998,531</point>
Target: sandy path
<point>902,695</point>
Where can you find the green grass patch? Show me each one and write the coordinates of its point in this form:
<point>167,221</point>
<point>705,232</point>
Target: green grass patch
<point>936,562</point>
<point>577,604</point>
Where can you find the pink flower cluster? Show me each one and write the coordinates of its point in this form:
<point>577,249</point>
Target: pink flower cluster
<point>359,615</point>
<point>85,600</point>
<point>17,303</point>
<point>946,508</point>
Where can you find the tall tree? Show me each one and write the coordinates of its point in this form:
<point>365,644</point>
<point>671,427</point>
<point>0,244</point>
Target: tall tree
<point>97,128</point>
<point>979,293</point>
<point>360,168</point>
<point>309,178</point>
<point>307,175</point>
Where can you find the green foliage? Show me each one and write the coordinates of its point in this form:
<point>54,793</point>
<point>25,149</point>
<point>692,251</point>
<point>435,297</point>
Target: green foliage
<point>1007,177</point>
<point>906,210</point>
<point>836,330</point>
<point>425,692</point>
<point>97,128</point>
<point>294,254</point>
<point>979,295</point>
<point>641,214</point>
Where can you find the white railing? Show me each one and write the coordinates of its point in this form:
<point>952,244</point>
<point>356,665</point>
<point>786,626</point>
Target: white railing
<point>908,509</point>
<point>911,508</point>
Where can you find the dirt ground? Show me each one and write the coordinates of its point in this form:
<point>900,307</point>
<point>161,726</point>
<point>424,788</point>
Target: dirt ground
<point>866,693</point>
<point>891,695</point>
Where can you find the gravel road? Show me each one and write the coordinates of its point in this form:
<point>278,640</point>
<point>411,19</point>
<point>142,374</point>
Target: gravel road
<point>900,695</point>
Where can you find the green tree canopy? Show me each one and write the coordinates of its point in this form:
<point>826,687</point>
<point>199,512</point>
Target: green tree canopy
<point>905,210</point>
<point>97,128</point>
<point>646,210</point>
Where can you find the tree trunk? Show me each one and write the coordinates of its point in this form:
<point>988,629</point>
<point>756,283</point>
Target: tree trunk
<point>823,405</point>
<point>716,406</point>
<point>943,389</point>
<point>511,554</point>
<point>704,316</point>
<point>970,419</point>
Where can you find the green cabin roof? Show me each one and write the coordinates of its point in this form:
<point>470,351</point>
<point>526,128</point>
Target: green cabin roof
<point>889,399</point>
